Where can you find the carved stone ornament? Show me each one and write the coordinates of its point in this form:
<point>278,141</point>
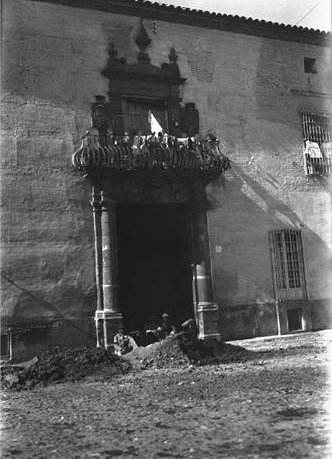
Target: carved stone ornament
<point>142,40</point>
<point>98,114</point>
<point>168,70</point>
<point>190,119</point>
<point>142,83</point>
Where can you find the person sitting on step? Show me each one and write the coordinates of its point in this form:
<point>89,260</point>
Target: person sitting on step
<point>166,328</point>
<point>123,343</point>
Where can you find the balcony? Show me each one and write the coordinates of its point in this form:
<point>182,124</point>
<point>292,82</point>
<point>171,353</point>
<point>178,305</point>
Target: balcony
<point>150,157</point>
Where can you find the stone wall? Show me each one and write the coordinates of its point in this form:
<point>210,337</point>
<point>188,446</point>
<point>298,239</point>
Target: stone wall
<point>248,89</point>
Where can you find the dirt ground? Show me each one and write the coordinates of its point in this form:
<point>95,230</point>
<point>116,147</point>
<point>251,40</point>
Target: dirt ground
<point>277,405</point>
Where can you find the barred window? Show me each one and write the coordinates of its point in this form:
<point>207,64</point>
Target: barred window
<point>287,260</point>
<point>317,136</point>
<point>317,128</point>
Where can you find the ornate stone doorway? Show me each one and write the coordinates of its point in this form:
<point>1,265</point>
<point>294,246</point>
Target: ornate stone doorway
<point>144,149</point>
<point>155,273</point>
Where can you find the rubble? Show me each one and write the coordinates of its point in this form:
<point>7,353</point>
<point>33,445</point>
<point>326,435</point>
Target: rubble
<point>63,364</point>
<point>226,411</point>
<point>179,351</point>
<point>66,364</point>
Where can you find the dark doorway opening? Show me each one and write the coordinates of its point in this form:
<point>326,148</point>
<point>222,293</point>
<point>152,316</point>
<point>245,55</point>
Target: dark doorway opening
<point>154,264</point>
<point>294,317</point>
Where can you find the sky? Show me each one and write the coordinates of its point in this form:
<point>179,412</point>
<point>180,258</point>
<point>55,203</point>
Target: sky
<point>282,11</point>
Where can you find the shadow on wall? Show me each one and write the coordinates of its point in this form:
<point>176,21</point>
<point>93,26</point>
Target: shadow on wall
<point>249,211</point>
<point>37,324</point>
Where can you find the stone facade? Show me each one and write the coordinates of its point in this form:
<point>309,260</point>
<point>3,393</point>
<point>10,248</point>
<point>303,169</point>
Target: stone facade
<point>249,87</point>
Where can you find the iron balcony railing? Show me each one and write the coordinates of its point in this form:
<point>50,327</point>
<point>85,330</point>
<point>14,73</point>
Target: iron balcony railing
<point>166,155</point>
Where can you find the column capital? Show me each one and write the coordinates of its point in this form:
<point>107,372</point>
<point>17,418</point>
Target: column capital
<point>106,200</point>
<point>108,315</point>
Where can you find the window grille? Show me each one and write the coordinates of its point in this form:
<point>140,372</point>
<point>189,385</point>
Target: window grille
<point>317,128</point>
<point>288,263</point>
<point>317,136</point>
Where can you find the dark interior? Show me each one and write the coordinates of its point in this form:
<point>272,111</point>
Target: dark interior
<point>154,264</point>
<point>294,317</point>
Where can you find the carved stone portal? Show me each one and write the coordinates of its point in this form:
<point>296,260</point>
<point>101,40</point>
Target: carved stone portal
<point>129,168</point>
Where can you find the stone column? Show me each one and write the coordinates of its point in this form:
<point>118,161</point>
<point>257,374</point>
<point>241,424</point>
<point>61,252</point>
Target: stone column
<point>206,311</point>
<point>111,316</point>
<point>96,208</point>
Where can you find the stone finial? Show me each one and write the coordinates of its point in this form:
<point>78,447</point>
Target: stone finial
<point>112,52</point>
<point>99,118</point>
<point>113,60</point>
<point>173,57</point>
<point>173,65</point>
<point>142,40</point>
<point>98,113</point>
<point>190,119</point>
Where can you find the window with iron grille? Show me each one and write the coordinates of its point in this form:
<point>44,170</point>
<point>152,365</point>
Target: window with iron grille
<point>317,136</point>
<point>317,128</point>
<point>288,263</point>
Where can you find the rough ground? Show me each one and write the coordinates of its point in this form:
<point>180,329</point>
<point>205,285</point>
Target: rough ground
<point>274,405</point>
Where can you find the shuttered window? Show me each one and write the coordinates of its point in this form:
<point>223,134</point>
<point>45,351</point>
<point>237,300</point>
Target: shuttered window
<point>137,117</point>
<point>288,263</point>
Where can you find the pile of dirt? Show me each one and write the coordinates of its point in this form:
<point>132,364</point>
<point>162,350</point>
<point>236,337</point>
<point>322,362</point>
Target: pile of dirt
<point>64,364</point>
<point>178,351</point>
<point>74,364</point>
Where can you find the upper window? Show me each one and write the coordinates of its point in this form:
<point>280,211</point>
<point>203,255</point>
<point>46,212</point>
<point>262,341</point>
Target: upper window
<point>317,136</point>
<point>310,65</point>
<point>317,128</point>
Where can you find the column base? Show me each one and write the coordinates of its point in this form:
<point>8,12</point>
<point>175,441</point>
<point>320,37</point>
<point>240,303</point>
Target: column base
<point>107,326</point>
<point>208,322</point>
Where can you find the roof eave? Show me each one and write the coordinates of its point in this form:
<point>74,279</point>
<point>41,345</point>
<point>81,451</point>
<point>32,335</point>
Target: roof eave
<point>202,19</point>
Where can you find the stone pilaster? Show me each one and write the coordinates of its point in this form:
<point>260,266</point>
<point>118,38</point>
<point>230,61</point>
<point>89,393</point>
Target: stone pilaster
<point>110,315</point>
<point>96,208</point>
<point>206,311</point>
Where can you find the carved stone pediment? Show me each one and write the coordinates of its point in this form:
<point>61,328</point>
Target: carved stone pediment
<point>143,66</point>
<point>144,82</point>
